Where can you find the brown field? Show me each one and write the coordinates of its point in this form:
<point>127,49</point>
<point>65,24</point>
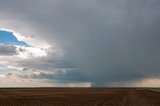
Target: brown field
<point>78,97</point>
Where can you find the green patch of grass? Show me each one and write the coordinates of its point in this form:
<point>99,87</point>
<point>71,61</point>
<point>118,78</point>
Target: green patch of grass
<point>154,89</point>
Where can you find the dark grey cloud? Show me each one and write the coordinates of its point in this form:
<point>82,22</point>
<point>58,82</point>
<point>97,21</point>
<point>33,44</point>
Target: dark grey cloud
<point>59,75</point>
<point>7,50</point>
<point>108,40</point>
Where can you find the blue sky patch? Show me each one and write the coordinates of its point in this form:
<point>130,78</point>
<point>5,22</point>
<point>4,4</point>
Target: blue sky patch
<point>9,38</point>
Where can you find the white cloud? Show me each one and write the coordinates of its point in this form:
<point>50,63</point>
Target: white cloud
<point>30,52</point>
<point>2,76</point>
<point>27,74</point>
<point>79,84</point>
<point>13,80</point>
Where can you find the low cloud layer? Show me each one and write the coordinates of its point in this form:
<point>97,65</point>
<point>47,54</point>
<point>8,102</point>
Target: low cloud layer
<point>108,41</point>
<point>7,50</point>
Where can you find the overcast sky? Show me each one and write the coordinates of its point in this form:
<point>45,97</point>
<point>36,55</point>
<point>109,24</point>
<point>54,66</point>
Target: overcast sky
<point>89,43</point>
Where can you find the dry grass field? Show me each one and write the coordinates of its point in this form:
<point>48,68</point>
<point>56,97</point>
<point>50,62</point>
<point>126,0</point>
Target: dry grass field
<point>78,97</point>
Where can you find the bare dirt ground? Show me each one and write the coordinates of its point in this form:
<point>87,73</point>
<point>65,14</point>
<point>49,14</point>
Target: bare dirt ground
<point>78,97</point>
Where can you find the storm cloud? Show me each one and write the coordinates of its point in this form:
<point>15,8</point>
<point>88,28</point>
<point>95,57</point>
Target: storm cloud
<point>108,40</point>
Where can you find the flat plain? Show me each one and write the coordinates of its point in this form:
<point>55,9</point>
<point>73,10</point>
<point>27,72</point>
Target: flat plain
<point>78,97</point>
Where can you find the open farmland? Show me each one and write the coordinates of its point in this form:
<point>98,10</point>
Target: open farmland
<point>79,97</point>
<point>155,90</point>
